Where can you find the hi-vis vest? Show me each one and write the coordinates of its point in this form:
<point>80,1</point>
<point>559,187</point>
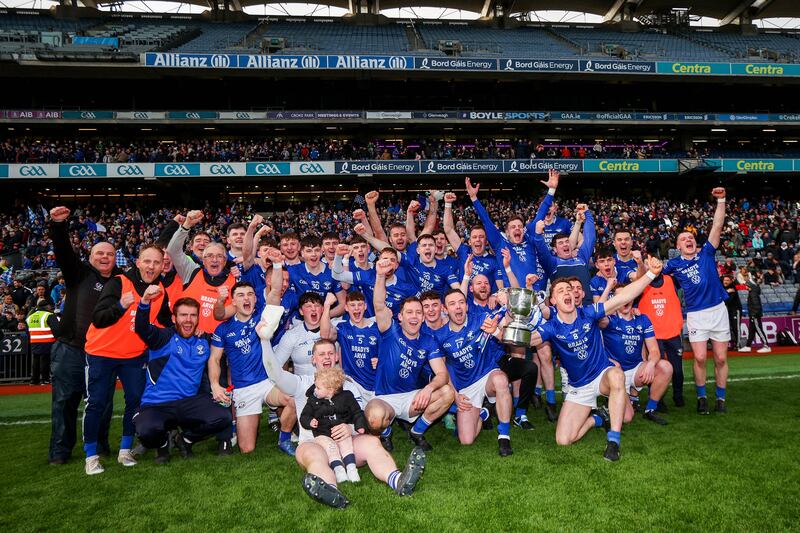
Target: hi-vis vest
<point>663,307</point>
<point>174,290</point>
<point>38,330</point>
<point>119,340</point>
<point>206,295</point>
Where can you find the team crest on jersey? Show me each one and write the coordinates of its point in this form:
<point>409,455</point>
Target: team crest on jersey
<point>586,328</point>
<point>421,354</point>
<point>470,335</point>
<point>98,286</point>
<point>200,349</point>
<point>373,340</point>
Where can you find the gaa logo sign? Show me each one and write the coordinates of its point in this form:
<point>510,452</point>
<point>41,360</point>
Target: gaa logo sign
<point>130,170</point>
<point>192,115</point>
<point>88,115</point>
<point>398,63</point>
<point>176,170</point>
<point>141,115</point>
<point>243,115</point>
<point>267,169</point>
<point>81,170</point>
<point>310,62</point>
<point>32,170</point>
<point>220,61</point>
<point>311,168</point>
<point>222,170</point>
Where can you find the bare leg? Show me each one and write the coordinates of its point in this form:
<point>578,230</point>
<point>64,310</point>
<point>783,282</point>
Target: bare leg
<point>313,459</point>
<point>700,351</point>
<point>288,415</point>
<point>330,447</point>
<point>469,425</point>
<point>246,432</point>
<point>721,362</point>
<point>368,450</point>
<point>573,423</point>
<point>613,386</point>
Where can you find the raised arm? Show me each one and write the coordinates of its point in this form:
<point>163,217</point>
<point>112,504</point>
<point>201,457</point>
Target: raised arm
<point>286,381</point>
<point>222,312</point>
<point>326,329</point>
<point>492,233</point>
<point>66,258</point>
<point>575,236</point>
<point>449,224</point>
<point>589,237</point>
<point>184,266</point>
<point>512,279</point>
<point>374,220</point>
<point>411,224</point>
<point>383,315</point>
<point>273,297</point>
<point>634,289</point>
<point>375,242</point>
<point>337,269</point>
<point>251,240</point>
<point>543,252</point>
<point>610,284</point>
<point>433,213</point>
<point>465,279</point>
<point>551,183</point>
<point>719,217</point>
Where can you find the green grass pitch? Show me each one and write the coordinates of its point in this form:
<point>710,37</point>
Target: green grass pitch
<point>734,472</point>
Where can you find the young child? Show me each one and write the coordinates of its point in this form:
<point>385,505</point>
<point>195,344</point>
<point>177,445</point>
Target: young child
<point>329,405</point>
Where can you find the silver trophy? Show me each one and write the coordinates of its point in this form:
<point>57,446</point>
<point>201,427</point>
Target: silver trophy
<point>521,304</point>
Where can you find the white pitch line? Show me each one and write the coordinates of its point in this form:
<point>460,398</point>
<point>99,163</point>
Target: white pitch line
<point>751,378</point>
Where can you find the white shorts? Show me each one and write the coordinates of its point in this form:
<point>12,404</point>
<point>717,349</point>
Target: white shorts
<point>711,323</point>
<point>401,403</point>
<point>477,391</point>
<point>364,394</point>
<point>251,399</point>
<point>587,395</point>
<point>630,379</point>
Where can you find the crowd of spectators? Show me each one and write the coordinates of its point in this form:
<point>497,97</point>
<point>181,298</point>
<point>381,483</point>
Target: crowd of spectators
<point>142,151</point>
<point>762,231</point>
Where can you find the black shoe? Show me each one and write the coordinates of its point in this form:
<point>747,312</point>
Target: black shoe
<point>57,461</point>
<point>487,424</point>
<point>602,412</point>
<point>522,422</point>
<point>653,417</point>
<point>504,447</point>
<point>323,492</point>
<point>419,440</point>
<point>679,402</point>
<point>721,408</point>
<point>702,406</point>
<point>551,411</point>
<point>637,407</point>
<point>536,400</point>
<point>412,473</point>
<point>612,451</point>
<point>387,443</point>
<point>184,447</point>
<point>162,455</point>
<point>224,447</point>
<point>662,407</point>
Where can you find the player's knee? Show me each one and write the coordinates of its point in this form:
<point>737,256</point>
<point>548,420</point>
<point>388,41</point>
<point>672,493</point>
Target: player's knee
<point>246,447</point>
<point>626,419</point>
<point>664,368</point>
<point>466,440</point>
<point>563,440</point>
<point>448,394</point>
<point>616,378</point>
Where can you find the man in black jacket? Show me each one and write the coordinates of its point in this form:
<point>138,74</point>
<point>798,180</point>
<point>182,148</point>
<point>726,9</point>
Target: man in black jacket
<point>755,311</point>
<point>734,305</point>
<point>84,282</point>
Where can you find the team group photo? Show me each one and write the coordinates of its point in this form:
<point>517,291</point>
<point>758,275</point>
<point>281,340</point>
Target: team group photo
<point>304,267</point>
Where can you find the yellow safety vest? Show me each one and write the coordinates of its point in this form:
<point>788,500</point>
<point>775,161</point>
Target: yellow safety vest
<point>38,329</point>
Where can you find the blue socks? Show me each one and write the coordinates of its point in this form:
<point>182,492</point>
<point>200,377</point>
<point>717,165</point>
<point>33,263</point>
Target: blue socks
<point>90,448</point>
<point>720,393</point>
<point>392,479</point>
<point>598,421</point>
<point>453,409</point>
<point>537,391</point>
<point>519,412</point>
<point>284,436</point>
<point>550,396</point>
<point>613,436</point>
<point>651,405</point>
<point>127,442</point>
<point>502,430</point>
<point>516,400</point>
<point>420,426</point>
<point>701,391</point>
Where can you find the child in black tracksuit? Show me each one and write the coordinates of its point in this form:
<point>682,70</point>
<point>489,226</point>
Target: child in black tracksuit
<point>329,405</point>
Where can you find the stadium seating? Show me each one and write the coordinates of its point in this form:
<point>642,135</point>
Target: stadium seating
<point>534,42</point>
<point>220,38</point>
<point>334,37</point>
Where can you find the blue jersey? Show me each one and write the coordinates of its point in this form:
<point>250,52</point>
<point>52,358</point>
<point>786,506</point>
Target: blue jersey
<point>397,289</point>
<point>625,268</point>
<point>559,225</point>
<point>486,264</point>
<point>175,370</point>
<point>402,360</point>
<point>358,347</point>
<point>471,353</point>
<point>598,283</point>
<point>242,347</point>
<point>255,277</point>
<point>624,339</point>
<point>523,256</point>
<point>433,278</point>
<point>698,277</point>
<point>367,291</point>
<point>304,281</point>
<point>580,344</point>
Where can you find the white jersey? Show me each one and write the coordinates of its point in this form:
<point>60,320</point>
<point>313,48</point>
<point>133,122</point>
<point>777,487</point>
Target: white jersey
<point>297,345</point>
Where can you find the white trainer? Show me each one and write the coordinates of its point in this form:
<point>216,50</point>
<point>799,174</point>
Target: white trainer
<point>93,466</point>
<point>744,349</point>
<point>352,474</point>
<point>341,474</point>
<point>126,458</point>
<point>764,349</point>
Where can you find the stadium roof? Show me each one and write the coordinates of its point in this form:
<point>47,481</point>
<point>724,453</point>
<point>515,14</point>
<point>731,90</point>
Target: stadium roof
<point>724,10</point>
